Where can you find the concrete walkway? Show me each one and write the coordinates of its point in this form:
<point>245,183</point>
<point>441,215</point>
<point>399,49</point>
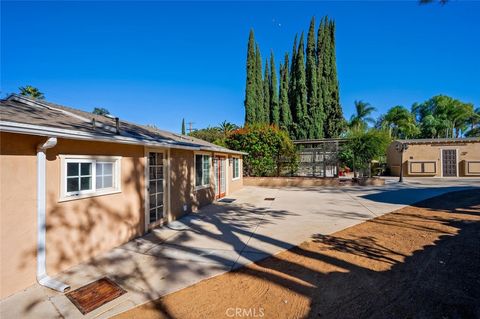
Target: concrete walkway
<point>226,235</point>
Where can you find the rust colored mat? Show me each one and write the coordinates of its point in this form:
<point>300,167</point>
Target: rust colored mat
<point>95,294</point>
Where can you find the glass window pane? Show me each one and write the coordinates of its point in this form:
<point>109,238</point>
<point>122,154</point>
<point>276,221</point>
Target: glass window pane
<point>160,186</point>
<point>72,169</point>
<point>152,173</point>
<point>198,170</point>
<point>152,159</point>
<point>86,168</point>
<point>107,168</point>
<point>107,181</point>
<point>99,169</point>
<point>153,202</point>
<point>206,178</point>
<point>99,182</point>
<point>85,183</point>
<point>159,212</point>
<point>153,187</point>
<point>72,184</point>
<point>160,172</point>
<point>153,215</point>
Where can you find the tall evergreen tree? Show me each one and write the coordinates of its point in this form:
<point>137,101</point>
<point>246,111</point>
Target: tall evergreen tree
<point>184,131</point>
<point>300,117</point>
<point>322,68</point>
<point>250,88</point>
<point>328,82</point>
<point>260,116</point>
<point>315,111</point>
<point>285,112</point>
<point>266,94</point>
<point>335,115</point>
<point>274,104</point>
<point>292,84</point>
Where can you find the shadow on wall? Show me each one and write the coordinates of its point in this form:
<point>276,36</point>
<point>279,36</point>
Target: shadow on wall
<point>80,229</point>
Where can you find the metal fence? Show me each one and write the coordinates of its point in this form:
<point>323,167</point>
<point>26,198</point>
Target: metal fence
<point>319,158</point>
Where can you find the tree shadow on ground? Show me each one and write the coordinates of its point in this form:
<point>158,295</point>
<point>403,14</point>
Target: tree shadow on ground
<point>374,270</point>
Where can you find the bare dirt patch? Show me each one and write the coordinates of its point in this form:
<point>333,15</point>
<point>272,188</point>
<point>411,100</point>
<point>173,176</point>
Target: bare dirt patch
<point>422,261</point>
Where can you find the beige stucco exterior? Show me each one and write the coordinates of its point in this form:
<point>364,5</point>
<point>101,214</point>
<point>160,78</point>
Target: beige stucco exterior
<point>425,158</point>
<point>79,229</point>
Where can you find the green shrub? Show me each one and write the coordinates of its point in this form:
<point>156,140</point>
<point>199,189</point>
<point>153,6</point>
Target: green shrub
<point>270,150</point>
<point>364,146</point>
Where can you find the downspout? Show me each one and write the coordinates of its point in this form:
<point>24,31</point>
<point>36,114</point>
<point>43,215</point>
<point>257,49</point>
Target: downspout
<point>42,277</point>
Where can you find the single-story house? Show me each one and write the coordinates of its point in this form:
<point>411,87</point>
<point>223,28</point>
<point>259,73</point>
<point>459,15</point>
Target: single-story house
<point>74,184</point>
<point>441,157</point>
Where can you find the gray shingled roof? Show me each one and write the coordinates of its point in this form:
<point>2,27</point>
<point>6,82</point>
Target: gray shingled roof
<point>17,112</point>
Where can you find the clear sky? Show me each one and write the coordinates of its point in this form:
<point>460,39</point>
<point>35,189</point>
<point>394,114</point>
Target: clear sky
<point>159,62</point>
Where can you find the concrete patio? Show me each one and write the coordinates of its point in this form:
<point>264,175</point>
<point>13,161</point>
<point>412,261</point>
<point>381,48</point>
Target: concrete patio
<point>222,237</point>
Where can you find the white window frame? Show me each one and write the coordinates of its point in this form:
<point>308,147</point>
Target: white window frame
<point>116,174</point>
<point>210,164</point>
<point>233,168</point>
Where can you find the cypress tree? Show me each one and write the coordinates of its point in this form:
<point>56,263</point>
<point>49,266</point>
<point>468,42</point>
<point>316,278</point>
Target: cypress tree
<point>250,88</point>
<point>323,73</point>
<point>285,113</point>
<point>292,82</point>
<point>184,132</point>
<point>259,108</point>
<point>315,113</point>
<point>335,115</point>
<point>300,94</point>
<point>274,104</point>
<point>266,94</point>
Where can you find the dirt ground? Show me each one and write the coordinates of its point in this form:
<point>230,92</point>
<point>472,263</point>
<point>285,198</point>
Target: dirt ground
<point>422,261</point>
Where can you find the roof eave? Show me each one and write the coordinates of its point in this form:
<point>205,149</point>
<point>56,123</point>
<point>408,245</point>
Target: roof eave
<point>21,128</point>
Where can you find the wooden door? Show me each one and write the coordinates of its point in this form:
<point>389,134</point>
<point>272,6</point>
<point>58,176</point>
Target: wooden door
<point>449,159</point>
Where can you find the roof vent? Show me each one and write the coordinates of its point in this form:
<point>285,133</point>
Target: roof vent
<point>94,123</point>
<point>117,125</point>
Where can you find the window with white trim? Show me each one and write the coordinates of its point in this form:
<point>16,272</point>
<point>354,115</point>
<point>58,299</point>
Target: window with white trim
<point>236,168</point>
<point>89,176</point>
<point>202,170</point>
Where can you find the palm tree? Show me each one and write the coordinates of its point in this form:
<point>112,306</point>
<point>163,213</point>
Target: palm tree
<point>399,122</point>
<point>31,91</point>
<point>474,122</point>
<point>226,127</point>
<point>362,117</point>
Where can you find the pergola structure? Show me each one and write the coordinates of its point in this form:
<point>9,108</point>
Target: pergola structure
<point>319,158</point>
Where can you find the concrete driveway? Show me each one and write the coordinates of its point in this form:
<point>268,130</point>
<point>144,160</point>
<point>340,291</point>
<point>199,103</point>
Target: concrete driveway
<point>223,236</point>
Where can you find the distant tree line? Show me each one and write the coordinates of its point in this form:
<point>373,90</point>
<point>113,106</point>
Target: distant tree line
<point>438,117</point>
<point>305,101</point>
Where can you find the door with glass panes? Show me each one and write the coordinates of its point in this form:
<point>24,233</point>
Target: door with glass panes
<point>155,187</point>
<point>219,171</point>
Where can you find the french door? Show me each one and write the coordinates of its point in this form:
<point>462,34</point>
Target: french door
<point>219,171</point>
<point>155,187</point>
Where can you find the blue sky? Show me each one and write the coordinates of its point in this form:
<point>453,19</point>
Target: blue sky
<point>159,62</point>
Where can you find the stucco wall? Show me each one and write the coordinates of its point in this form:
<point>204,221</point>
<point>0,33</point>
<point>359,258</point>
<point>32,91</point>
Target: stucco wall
<point>182,184</point>
<point>235,184</point>
<point>18,222</point>
<point>432,152</point>
<point>80,229</point>
<point>76,230</point>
